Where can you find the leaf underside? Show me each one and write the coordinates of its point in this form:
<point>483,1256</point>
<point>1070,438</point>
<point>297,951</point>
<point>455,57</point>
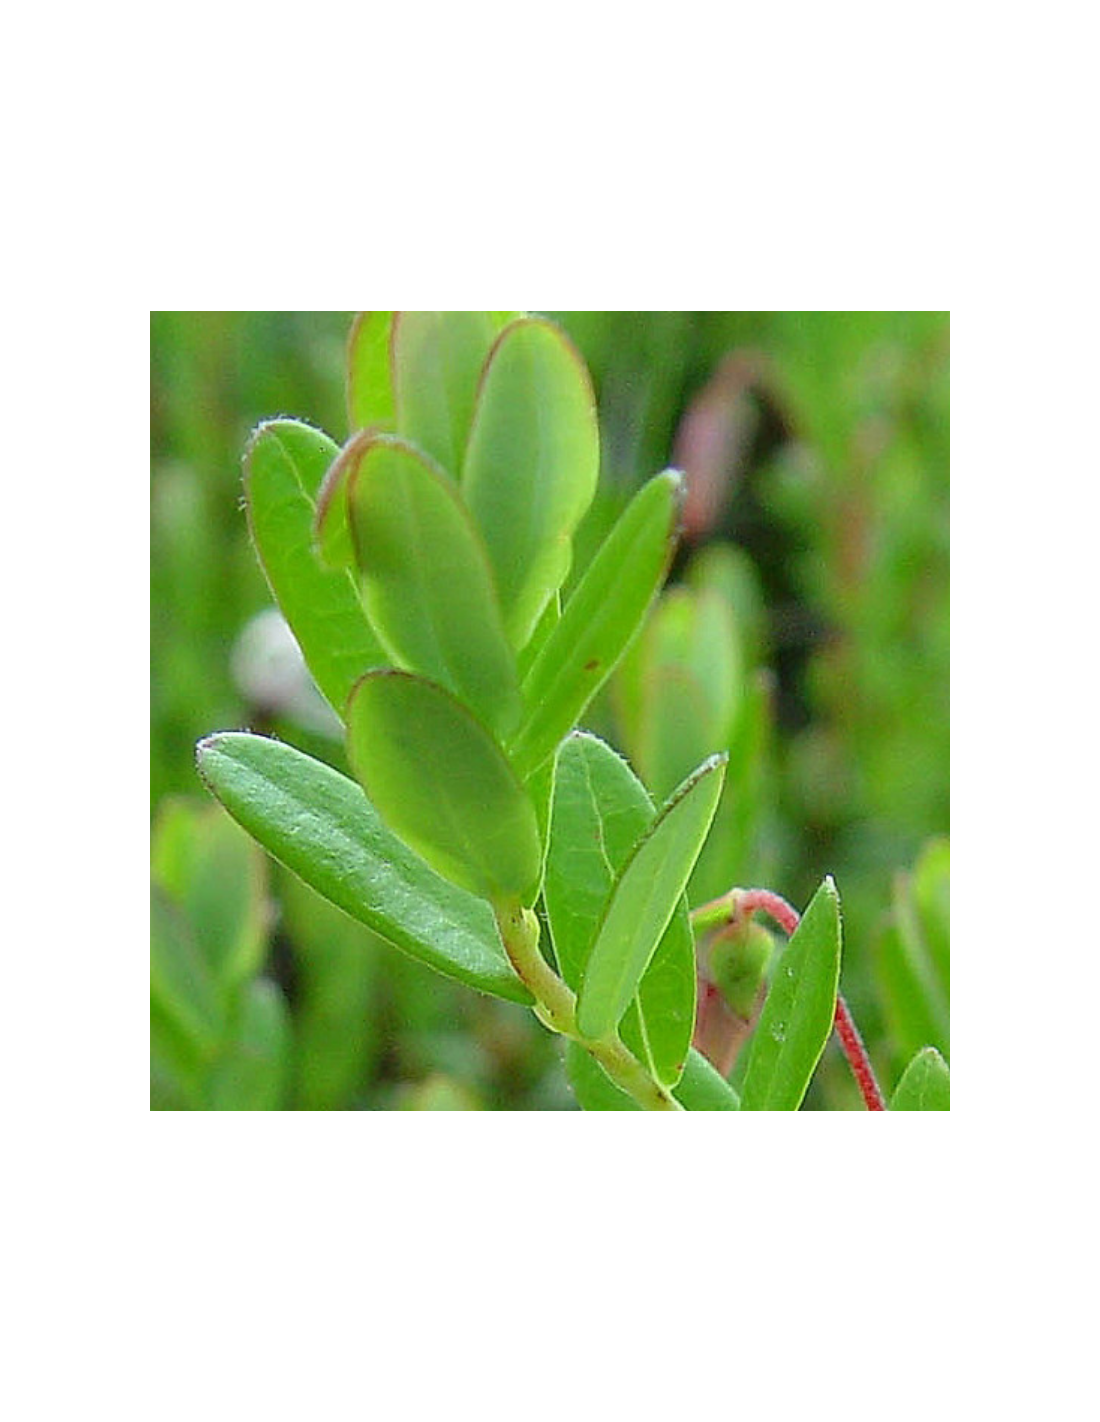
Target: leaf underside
<point>320,825</point>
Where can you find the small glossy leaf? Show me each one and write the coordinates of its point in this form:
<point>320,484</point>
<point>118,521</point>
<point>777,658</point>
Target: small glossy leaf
<point>324,829</point>
<point>427,584</point>
<point>701,1088</point>
<point>797,1017</point>
<point>925,1084</point>
<point>600,811</point>
<point>597,623</point>
<point>369,382</point>
<point>215,874</point>
<point>531,465</point>
<point>644,899</point>
<point>442,783</point>
<point>284,465</point>
<point>437,362</point>
<point>253,1073</point>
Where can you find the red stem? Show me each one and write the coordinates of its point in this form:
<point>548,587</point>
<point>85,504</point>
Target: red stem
<point>746,902</point>
<point>857,1056</point>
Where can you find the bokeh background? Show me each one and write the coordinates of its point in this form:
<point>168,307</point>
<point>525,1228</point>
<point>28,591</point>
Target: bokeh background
<point>816,446</point>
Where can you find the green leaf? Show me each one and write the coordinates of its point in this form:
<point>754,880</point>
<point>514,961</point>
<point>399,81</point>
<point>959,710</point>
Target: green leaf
<point>913,987</point>
<point>216,875</point>
<point>593,1088</point>
<point>688,668</point>
<point>442,783</point>
<point>602,615</point>
<point>925,1084</point>
<point>550,618</point>
<point>338,1012</point>
<point>369,383</point>
<point>284,465</point>
<point>531,465</point>
<point>600,811</point>
<point>439,1093</point>
<point>701,1088</point>
<point>182,987</point>
<point>252,1074</point>
<point>932,900</point>
<point>797,1016</point>
<point>427,584</point>
<point>437,362</point>
<point>644,899</point>
<point>331,529</point>
<point>322,827</point>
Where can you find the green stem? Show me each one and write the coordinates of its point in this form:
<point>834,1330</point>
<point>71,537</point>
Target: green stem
<point>556,1006</point>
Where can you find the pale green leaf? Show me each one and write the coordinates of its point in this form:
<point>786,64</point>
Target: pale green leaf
<point>369,381</point>
<point>925,1084</point>
<point>797,1016</point>
<point>442,783</point>
<point>437,362</point>
<point>645,896</point>
<point>531,465</point>
<point>597,623</point>
<point>427,584</point>
<point>600,811</point>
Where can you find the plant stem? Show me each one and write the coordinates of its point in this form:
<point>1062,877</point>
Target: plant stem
<point>556,1006</point>
<point>740,903</point>
<point>857,1056</point>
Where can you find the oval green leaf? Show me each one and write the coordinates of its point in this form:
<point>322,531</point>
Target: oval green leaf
<point>442,783</point>
<point>701,1088</point>
<point>321,826</point>
<point>427,584</point>
<point>644,899</point>
<point>797,1016</point>
<point>369,381</point>
<point>531,465</point>
<point>438,357</point>
<point>925,1084</point>
<point>600,810</point>
<point>284,464</point>
<point>598,622</point>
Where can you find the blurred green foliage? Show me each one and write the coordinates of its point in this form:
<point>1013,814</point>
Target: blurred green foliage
<point>816,541</point>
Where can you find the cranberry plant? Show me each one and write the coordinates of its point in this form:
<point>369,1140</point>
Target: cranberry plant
<point>421,568</point>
